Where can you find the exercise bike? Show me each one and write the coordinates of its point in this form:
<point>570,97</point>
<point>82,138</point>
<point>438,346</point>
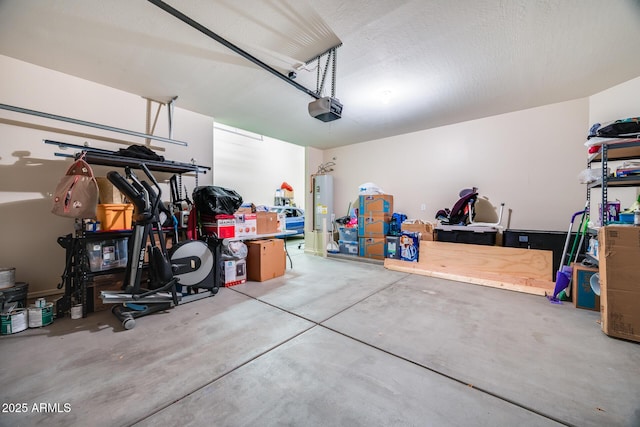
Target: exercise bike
<point>185,273</point>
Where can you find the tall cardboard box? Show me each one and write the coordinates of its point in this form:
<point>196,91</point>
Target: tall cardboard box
<point>620,281</point>
<point>373,225</point>
<point>266,259</point>
<point>374,215</point>
<point>375,204</point>
<point>372,247</point>
<point>109,193</point>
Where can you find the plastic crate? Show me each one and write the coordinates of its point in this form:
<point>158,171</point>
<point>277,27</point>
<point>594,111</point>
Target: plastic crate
<point>107,254</point>
<point>114,216</point>
<point>347,247</point>
<point>348,234</point>
<point>469,235</point>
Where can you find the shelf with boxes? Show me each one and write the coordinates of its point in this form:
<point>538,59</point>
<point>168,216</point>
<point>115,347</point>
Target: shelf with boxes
<point>89,255</point>
<point>615,149</point>
<point>96,254</point>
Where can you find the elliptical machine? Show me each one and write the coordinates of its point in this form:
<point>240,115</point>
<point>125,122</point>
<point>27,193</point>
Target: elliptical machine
<point>183,274</point>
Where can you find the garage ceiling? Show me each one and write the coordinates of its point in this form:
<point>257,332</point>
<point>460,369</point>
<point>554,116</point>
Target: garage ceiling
<point>404,65</point>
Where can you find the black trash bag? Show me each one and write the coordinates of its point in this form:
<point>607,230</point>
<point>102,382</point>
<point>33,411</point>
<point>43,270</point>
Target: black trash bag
<point>213,200</point>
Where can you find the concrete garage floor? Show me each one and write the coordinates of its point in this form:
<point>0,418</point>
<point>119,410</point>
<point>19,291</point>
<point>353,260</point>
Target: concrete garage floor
<point>332,343</point>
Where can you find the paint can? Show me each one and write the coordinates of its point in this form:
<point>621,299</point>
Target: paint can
<point>7,277</point>
<point>16,293</point>
<point>40,316</point>
<point>13,322</point>
<point>76,312</point>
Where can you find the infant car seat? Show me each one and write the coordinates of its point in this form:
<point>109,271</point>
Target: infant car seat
<point>459,213</point>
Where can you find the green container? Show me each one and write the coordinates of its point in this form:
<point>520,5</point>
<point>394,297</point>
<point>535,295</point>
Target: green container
<point>11,323</point>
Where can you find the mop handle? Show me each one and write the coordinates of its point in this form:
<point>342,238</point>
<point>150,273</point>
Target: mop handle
<point>566,242</point>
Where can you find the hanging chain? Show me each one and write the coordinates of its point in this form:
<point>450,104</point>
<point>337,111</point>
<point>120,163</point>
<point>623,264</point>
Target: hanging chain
<point>333,74</point>
<point>320,82</point>
<point>193,162</point>
<point>324,74</point>
<point>318,77</point>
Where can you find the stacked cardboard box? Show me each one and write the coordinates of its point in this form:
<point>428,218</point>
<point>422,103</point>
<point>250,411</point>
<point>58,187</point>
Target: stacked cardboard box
<point>266,222</point>
<point>222,226</point>
<point>374,215</point>
<point>109,193</point>
<point>235,271</point>
<point>620,281</point>
<point>266,259</point>
<point>417,226</point>
<point>246,224</point>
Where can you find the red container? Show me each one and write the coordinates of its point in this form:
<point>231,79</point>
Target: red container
<point>223,226</point>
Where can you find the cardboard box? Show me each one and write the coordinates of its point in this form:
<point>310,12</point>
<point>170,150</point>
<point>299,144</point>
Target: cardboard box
<point>282,222</point>
<point>107,282</point>
<point>223,226</point>
<point>620,281</point>
<point>372,247</point>
<point>108,193</point>
<point>235,271</point>
<point>246,224</point>
<point>266,222</point>
<point>424,228</point>
<point>581,292</point>
<point>265,259</point>
<point>373,225</point>
<point>375,204</point>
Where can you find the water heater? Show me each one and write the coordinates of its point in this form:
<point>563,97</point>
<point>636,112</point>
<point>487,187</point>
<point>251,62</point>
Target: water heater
<point>323,201</point>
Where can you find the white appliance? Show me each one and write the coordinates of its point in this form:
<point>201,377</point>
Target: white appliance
<point>323,201</point>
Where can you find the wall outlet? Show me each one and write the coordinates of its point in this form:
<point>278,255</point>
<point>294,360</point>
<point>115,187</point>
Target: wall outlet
<point>423,207</point>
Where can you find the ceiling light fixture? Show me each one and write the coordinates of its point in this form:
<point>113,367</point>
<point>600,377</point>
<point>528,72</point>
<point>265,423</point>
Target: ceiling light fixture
<point>385,96</point>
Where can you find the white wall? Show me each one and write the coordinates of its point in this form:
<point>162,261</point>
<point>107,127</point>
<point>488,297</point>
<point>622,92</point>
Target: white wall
<point>618,102</point>
<point>29,170</point>
<point>255,166</point>
<point>527,159</point>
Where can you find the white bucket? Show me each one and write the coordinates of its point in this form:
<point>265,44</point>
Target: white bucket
<point>7,277</point>
<point>76,312</point>
<point>40,316</point>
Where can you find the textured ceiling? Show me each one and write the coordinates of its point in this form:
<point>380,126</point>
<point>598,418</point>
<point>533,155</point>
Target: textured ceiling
<point>404,65</point>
